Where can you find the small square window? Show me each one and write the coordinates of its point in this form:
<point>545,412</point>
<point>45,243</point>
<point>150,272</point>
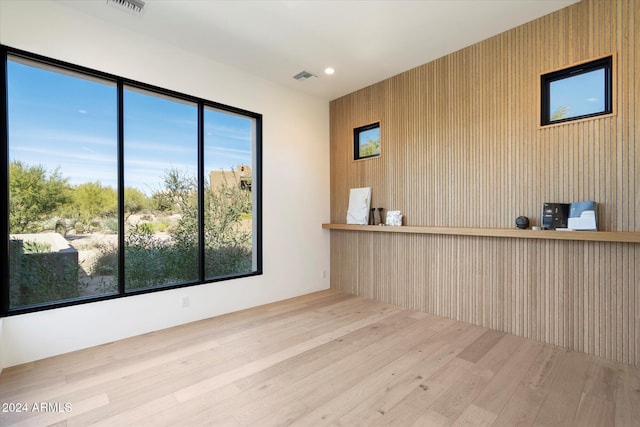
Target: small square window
<point>582,91</point>
<point>366,141</point>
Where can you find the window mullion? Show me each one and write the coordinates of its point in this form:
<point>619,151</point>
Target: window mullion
<point>120,192</point>
<point>201,191</point>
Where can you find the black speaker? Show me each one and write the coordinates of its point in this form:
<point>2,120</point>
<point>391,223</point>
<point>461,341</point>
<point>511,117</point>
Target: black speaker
<point>522,222</point>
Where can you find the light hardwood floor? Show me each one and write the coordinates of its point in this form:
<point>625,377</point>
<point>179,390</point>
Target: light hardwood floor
<point>328,358</point>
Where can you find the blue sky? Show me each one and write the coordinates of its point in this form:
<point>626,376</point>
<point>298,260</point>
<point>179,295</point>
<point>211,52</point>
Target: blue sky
<point>62,121</point>
<point>583,93</point>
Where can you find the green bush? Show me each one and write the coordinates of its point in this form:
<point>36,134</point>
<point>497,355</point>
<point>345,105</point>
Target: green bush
<point>33,247</point>
<point>50,223</point>
<point>146,228</point>
<point>227,260</point>
<point>38,278</point>
<point>162,224</point>
<point>150,261</point>
<point>106,263</point>
<point>61,228</point>
<point>110,225</point>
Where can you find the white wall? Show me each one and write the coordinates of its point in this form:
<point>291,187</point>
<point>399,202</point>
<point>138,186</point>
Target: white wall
<point>295,182</point>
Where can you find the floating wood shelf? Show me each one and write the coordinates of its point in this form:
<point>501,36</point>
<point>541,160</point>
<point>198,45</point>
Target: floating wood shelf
<point>595,236</point>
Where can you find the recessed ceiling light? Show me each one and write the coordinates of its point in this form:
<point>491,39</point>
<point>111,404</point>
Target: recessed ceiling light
<point>329,70</point>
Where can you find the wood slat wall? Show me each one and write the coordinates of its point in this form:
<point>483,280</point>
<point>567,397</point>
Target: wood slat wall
<point>462,147</point>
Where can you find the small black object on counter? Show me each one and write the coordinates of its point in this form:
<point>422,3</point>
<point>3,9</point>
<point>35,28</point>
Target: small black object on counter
<point>380,221</point>
<point>522,222</point>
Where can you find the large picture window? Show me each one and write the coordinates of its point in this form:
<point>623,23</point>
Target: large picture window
<point>579,92</point>
<point>114,187</point>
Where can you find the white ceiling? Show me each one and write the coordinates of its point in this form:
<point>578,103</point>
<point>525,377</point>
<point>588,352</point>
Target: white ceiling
<point>365,41</point>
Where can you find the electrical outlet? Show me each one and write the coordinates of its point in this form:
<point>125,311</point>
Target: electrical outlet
<point>324,274</point>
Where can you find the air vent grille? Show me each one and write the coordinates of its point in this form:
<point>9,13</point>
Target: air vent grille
<point>133,6</point>
<point>304,75</point>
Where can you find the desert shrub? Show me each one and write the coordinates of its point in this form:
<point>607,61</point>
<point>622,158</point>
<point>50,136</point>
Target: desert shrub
<point>61,228</point>
<point>162,224</point>
<point>79,227</point>
<point>39,278</point>
<point>107,285</point>
<point>106,263</point>
<point>50,223</point>
<point>110,225</point>
<point>227,260</point>
<point>146,228</point>
<point>227,244</point>
<point>56,224</point>
<point>33,247</point>
<point>150,261</point>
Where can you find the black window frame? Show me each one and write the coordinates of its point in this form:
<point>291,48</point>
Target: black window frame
<point>605,63</point>
<point>356,141</point>
<point>121,83</point>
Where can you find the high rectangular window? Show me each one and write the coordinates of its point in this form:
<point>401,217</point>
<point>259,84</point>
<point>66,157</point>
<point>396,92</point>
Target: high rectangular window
<point>366,141</point>
<point>582,91</point>
<point>114,187</point>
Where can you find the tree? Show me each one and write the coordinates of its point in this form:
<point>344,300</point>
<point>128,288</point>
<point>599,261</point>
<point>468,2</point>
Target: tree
<point>150,261</point>
<point>560,113</point>
<point>223,209</point>
<point>34,195</point>
<point>228,244</point>
<point>161,201</point>
<point>370,148</point>
<point>92,200</point>
<point>134,201</point>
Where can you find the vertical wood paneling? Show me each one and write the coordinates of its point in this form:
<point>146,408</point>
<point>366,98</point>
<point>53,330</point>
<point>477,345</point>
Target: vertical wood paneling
<point>461,146</point>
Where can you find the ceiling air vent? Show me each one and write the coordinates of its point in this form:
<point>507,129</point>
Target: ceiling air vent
<point>133,6</point>
<point>304,75</point>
